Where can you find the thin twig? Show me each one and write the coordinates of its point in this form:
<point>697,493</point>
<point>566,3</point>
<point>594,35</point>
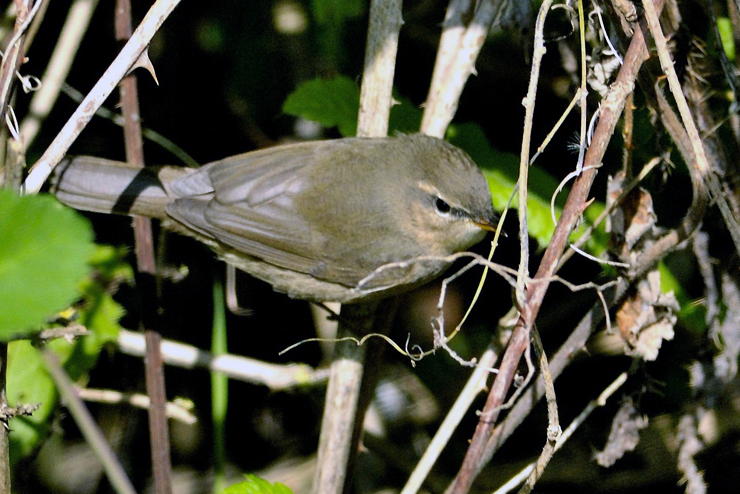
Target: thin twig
<point>524,157</point>
<point>568,432</point>
<point>541,149</point>
<point>553,427</point>
<point>13,58</point>
<point>148,133</point>
<point>584,89</point>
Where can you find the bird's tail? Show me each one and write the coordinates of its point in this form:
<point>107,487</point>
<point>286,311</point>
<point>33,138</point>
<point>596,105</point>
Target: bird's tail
<point>106,186</point>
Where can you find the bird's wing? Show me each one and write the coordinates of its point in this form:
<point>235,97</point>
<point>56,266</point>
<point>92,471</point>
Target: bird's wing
<point>248,202</point>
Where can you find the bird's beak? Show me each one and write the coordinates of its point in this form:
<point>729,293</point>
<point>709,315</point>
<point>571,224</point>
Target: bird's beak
<point>489,225</point>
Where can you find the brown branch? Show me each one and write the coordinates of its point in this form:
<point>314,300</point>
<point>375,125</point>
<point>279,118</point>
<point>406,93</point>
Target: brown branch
<point>159,434</point>
<point>134,142</point>
<point>144,249</point>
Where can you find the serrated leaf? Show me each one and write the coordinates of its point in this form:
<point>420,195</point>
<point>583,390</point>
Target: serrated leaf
<point>330,102</point>
<point>256,485</point>
<point>44,249</point>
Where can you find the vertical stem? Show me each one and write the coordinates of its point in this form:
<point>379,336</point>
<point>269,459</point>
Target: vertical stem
<point>219,390</point>
<point>382,319</point>
<point>155,386</point>
<point>461,41</point>
<point>132,136</point>
<point>159,434</point>
<point>342,396</point>
<point>380,66</point>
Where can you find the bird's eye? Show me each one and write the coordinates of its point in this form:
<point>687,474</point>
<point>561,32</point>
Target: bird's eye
<point>443,209</point>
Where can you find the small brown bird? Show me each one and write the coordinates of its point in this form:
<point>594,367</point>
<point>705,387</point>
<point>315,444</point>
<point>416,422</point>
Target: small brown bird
<point>344,220</point>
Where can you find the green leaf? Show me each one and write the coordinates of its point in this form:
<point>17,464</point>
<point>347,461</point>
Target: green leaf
<point>725,34</point>
<point>28,383</point>
<point>330,102</point>
<point>44,252</point>
<point>256,485</point>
